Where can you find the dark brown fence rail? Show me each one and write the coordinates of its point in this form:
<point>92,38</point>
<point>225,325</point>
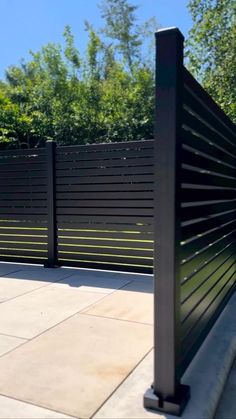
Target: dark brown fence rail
<point>23,206</point>
<point>194,220</point>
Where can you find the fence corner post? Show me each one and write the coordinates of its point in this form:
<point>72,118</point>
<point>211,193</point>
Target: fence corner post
<point>51,200</point>
<point>167,394</point>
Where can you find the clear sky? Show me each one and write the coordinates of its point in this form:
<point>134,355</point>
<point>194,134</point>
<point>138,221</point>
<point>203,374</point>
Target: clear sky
<point>29,24</point>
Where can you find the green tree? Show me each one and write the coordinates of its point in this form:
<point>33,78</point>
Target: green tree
<point>134,42</point>
<point>211,49</point>
<point>120,26</point>
<point>102,96</point>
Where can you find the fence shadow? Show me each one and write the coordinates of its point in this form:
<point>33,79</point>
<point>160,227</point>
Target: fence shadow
<point>79,278</point>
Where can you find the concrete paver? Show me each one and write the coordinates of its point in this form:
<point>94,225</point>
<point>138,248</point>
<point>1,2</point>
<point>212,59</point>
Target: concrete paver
<point>74,367</point>
<point>133,303</point>
<point>35,312</point>
<point>7,343</point>
<point>15,409</point>
<point>39,273</point>
<point>100,282</point>
<point>227,405</point>
<point>7,269</point>
<point>206,376</point>
<point>127,401</point>
<point>15,284</point>
<point>89,353</point>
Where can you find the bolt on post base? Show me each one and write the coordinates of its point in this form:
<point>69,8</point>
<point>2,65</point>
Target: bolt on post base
<point>51,265</point>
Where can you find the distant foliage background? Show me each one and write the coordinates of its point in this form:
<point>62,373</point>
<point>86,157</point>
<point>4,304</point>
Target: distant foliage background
<point>107,93</point>
<point>211,50</point>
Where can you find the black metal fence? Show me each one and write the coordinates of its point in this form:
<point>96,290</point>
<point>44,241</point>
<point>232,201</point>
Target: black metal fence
<point>89,206</point>
<point>23,206</point>
<point>104,205</point>
<point>194,223</point>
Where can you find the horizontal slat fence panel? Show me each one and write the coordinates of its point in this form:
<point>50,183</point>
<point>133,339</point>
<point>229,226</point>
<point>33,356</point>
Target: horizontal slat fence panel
<point>208,196</point>
<point>23,206</point>
<point>194,225</point>
<point>104,205</point>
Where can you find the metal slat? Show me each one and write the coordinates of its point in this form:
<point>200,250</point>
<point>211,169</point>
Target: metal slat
<point>195,210</point>
<point>204,145</point>
<point>200,226</point>
<point>13,161</point>
<point>203,130</point>
<point>123,222</point>
<point>218,291</point>
<point>110,171</point>
<point>103,155</point>
<point>146,254</point>
<point>23,189</point>
<point>22,197</point>
<point>14,204</point>
<point>14,252</point>
<point>121,162</point>
<point>23,224</point>
<point>205,259</point>
<point>148,212</point>
<point>104,235</point>
<point>191,99</point>
<point>106,258</point>
<point>190,248</point>
<point>192,300</point>
<point>111,266</point>
<point>21,238</point>
<point>26,182</point>
<point>212,313</point>
<point>20,246</point>
<point>105,179</point>
<point>23,167</point>
<point>102,244</point>
<point>34,212</point>
<point>105,203</point>
<point>99,196</point>
<point>119,187</point>
<point>108,146</point>
<point>189,194</point>
<point>33,218</point>
<point>198,176</point>
<point>24,175</point>
<point>196,279</point>
<point>39,260</point>
<point>194,158</point>
<point>207,101</point>
<point>107,226</point>
<point>24,152</point>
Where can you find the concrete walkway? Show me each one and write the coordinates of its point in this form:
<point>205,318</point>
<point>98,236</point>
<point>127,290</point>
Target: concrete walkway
<point>69,338</point>
<point>227,405</point>
<point>77,343</point>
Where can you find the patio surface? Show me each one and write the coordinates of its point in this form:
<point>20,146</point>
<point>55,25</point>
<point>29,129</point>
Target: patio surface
<point>69,338</point>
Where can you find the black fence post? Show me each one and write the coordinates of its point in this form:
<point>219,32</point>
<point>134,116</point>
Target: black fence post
<point>52,232</point>
<point>167,394</point>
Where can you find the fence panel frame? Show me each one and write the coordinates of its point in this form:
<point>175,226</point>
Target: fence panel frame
<point>167,394</point>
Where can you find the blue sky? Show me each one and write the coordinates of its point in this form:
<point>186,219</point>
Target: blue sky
<point>29,24</point>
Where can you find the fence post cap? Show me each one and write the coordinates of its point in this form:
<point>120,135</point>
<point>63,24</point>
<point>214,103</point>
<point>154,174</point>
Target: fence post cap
<point>169,31</point>
<point>51,144</point>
